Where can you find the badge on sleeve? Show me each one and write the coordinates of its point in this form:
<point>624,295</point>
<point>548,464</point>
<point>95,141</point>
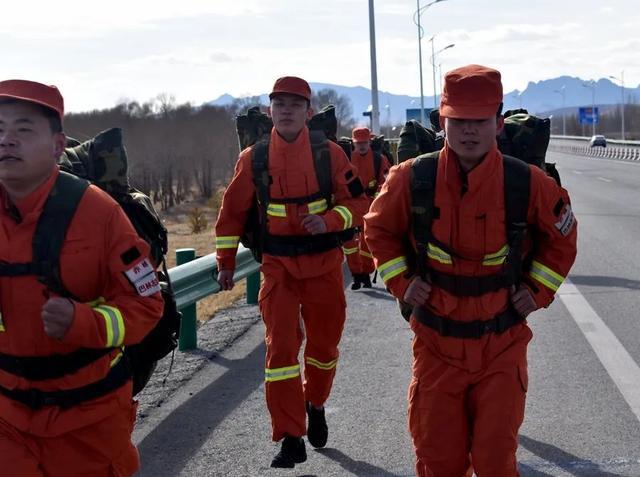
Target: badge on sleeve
<point>143,277</point>
<point>565,224</point>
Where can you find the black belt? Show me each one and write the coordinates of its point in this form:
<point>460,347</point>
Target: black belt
<point>468,329</point>
<point>39,368</point>
<point>460,285</point>
<point>35,398</point>
<point>295,245</point>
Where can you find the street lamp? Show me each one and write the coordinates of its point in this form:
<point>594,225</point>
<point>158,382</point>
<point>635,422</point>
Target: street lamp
<point>416,20</point>
<point>433,66</point>
<point>375,112</point>
<point>592,85</point>
<point>562,92</point>
<point>621,79</point>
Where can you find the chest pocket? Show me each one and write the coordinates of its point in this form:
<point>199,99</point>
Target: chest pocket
<point>80,265</point>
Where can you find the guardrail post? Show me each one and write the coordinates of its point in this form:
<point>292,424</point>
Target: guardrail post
<point>253,287</point>
<point>188,329</point>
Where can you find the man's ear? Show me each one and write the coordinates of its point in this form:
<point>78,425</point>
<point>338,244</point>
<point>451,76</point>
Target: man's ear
<point>309,113</point>
<point>499,125</point>
<point>442,121</point>
<point>269,110</point>
<point>59,143</point>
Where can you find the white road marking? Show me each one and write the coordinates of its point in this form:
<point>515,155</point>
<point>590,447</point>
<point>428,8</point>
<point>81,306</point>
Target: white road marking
<point>623,370</point>
<point>577,172</point>
<point>604,179</point>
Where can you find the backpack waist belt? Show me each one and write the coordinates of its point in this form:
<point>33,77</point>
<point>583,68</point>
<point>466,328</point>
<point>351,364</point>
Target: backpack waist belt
<point>295,245</point>
<point>35,399</point>
<point>467,329</point>
<point>460,285</point>
<point>39,368</point>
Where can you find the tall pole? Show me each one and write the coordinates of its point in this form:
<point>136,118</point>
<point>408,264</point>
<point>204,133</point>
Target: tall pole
<point>562,92</point>
<point>622,104</point>
<point>621,79</point>
<point>375,110</point>
<point>433,67</point>
<point>593,108</point>
<point>420,62</point>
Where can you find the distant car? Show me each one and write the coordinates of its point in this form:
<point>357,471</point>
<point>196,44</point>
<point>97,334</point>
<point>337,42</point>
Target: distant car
<point>598,140</point>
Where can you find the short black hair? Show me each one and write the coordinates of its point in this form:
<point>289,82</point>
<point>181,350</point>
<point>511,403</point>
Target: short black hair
<point>50,115</point>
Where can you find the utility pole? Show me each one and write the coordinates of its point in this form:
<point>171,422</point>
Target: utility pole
<point>375,109</point>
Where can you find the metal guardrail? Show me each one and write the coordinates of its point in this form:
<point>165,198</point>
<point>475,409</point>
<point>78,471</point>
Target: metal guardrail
<point>621,150</point>
<point>195,278</point>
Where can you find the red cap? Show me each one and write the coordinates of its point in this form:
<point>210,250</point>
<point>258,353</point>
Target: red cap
<point>33,92</point>
<point>291,85</point>
<point>471,92</point>
<point>361,135</point>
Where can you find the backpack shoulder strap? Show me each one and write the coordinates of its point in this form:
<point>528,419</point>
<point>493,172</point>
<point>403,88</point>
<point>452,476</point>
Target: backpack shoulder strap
<point>517,179</point>
<point>58,211</point>
<point>322,163</point>
<point>377,163</point>
<point>424,170</point>
<point>260,169</point>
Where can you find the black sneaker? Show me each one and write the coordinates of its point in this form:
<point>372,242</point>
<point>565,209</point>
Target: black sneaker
<point>317,431</point>
<point>356,282</point>
<point>291,453</point>
<point>366,281</point>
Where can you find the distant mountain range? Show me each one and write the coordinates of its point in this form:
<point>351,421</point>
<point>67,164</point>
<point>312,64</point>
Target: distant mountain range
<point>539,98</point>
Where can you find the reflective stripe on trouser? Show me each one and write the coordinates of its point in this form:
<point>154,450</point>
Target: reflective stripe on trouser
<point>86,449</point>
<point>454,413</point>
<point>362,261</point>
<point>282,299</point>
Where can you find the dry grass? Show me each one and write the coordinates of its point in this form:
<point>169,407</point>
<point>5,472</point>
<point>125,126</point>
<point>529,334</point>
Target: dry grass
<point>177,222</point>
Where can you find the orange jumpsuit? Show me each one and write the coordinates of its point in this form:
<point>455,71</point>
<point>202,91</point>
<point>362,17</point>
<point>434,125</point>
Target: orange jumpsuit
<point>359,258</point>
<point>94,437</point>
<point>307,285</point>
<point>467,396</point>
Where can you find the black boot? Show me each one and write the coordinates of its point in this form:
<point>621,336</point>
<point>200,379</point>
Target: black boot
<point>317,431</point>
<point>291,453</point>
<point>366,281</point>
<point>356,281</point>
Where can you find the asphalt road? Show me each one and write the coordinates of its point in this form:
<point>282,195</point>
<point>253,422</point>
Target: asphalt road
<point>582,409</point>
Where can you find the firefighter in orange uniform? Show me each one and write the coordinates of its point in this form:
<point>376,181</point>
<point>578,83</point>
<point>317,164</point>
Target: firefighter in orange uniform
<point>467,394</point>
<point>301,264</point>
<point>373,168</point>
<point>65,389</point>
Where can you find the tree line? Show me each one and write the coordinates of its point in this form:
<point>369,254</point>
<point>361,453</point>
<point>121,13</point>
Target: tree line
<point>178,152</point>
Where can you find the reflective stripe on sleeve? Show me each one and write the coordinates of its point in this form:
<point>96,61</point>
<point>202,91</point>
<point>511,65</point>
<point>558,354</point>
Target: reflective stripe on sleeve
<point>345,214</point>
<point>114,325</point>
<point>350,250</point>
<point>318,206</point>
<point>230,241</point>
<point>365,254</point>
<point>280,374</point>
<point>546,276</point>
<point>393,268</point>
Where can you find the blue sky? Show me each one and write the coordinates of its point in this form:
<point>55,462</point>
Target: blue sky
<point>197,50</point>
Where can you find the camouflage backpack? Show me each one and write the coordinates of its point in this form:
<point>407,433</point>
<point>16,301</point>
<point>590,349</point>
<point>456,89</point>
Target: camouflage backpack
<point>415,139</point>
<point>526,137</point>
<point>252,127</point>
<point>103,162</point>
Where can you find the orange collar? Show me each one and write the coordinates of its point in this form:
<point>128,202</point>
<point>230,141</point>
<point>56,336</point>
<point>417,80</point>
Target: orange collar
<point>34,202</point>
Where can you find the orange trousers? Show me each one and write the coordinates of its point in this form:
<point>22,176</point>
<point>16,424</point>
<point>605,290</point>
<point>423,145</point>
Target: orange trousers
<point>320,301</point>
<point>103,449</point>
<point>455,414</point>
<point>359,258</point>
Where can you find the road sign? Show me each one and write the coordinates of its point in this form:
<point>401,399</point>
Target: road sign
<point>589,115</point>
<point>414,113</point>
